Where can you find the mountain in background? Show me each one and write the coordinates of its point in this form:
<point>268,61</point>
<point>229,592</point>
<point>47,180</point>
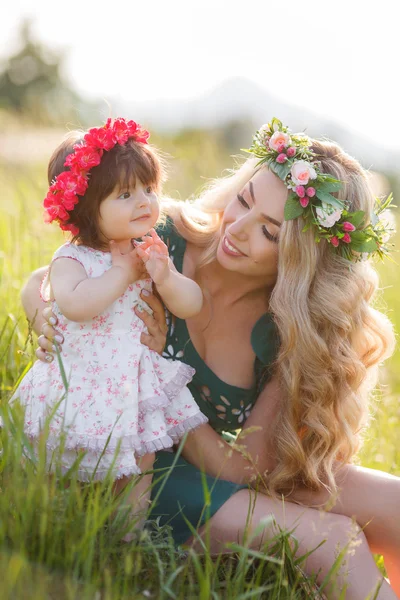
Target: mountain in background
<point>243,101</point>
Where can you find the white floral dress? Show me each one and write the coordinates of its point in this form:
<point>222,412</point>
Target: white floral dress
<point>121,398</point>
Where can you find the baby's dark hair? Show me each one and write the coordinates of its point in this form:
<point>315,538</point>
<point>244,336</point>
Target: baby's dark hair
<point>119,167</point>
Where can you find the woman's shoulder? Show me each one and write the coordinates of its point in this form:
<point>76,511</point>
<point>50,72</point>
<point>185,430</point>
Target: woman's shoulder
<point>265,342</point>
<point>265,339</point>
<point>167,231</point>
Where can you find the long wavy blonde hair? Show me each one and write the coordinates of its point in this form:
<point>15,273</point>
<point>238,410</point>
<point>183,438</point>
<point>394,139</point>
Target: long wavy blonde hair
<point>332,339</point>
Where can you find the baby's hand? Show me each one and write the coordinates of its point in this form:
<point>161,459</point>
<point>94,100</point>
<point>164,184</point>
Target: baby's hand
<point>130,263</point>
<point>156,258</point>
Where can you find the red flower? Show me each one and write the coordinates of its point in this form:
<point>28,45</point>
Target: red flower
<point>71,183</point>
<point>141,136</point>
<point>81,185</point>
<point>348,226</point>
<point>55,209</point>
<point>48,217</point>
<point>310,191</point>
<point>121,131</point>
<point>69,201</point>
<point>346,238</point>
<point>334,241</point>
<point>304,201</point>
<point>300,191</point>
<point>84,158</point>
<point>69,227</point>
<point>100,137</point>
<point>132,128</point>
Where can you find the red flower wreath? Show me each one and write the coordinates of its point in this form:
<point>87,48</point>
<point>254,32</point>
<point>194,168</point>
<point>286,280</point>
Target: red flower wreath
<point>68,185</point>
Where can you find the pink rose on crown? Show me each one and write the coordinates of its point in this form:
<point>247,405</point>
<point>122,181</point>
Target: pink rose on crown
<point>279,139</point>
<point>302,171</point>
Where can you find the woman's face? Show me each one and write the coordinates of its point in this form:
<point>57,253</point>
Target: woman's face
<point>250,227</point>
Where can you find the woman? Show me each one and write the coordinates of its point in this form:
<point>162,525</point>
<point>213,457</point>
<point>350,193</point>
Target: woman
<point>302,401</point>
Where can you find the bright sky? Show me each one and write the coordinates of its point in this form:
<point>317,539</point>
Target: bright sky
<point>336,58</point>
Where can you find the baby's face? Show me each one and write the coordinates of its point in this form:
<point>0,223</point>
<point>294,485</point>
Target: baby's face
<point>129,213</point>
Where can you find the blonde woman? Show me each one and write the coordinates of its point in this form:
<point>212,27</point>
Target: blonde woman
<point>286,348</point>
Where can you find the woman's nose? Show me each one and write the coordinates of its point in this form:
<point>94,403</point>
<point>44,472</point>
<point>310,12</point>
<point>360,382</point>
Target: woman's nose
<point>238,228</point>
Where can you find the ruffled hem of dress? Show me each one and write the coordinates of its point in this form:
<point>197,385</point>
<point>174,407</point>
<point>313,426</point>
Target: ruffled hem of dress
<point>129,442</point>
<point>178,431</point>
<point>180,380</point>
<point>170,390</point>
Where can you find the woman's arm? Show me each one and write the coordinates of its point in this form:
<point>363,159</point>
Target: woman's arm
<point>32,303</point>
<point>253,452</point>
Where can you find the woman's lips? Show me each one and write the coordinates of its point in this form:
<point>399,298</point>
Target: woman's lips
<point>230,249</point>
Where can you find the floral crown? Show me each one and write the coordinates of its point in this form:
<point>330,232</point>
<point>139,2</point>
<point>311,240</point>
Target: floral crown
<point>290,157</point>
<point>68,185</point>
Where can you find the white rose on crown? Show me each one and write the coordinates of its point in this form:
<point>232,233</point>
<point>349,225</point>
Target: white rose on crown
<point>302,171</point>
<point>328,215</point>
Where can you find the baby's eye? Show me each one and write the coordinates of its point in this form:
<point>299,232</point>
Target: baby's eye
<point>124,195</point>
<point>149,189</point>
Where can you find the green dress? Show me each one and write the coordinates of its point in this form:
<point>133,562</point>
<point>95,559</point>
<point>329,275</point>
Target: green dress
<point>183,493</point>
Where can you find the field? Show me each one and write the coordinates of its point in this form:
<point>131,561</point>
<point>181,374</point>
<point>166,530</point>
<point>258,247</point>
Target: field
<point>59,542</point>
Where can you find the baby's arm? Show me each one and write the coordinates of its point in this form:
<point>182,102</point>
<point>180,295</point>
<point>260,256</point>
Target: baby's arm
<point>181,295</point>
<point>81,298</point>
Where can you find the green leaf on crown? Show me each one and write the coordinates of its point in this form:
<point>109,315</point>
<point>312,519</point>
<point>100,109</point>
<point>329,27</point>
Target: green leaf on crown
<point>281,170</point>
<point>360,236</point>
<point>329,199</point>
<point>325,177</point>
<point>356,218</point>
<point>366,246</point>
<point>381,205</point>
<point>293,208</point>
<point>330,186</point>
<point>275,124</point>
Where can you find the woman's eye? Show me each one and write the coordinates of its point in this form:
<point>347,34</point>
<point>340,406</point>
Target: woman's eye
<point>125,195</point>
<point>269,235</point>
<point>242,201</point>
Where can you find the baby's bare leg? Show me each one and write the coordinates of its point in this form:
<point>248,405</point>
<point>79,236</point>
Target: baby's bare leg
<point>139,497</point>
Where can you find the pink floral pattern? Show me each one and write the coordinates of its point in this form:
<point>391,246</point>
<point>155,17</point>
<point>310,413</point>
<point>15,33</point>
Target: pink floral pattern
<point>119,393</point>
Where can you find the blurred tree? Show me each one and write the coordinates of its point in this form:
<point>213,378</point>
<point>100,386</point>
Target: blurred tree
<point>31,83</point>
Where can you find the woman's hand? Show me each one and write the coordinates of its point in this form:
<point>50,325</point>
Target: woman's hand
<point>49,337</point>
<point>156,323</point>
<point>155,338</point>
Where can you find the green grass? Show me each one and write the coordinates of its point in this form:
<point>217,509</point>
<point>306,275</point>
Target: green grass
<point>61,542</point>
